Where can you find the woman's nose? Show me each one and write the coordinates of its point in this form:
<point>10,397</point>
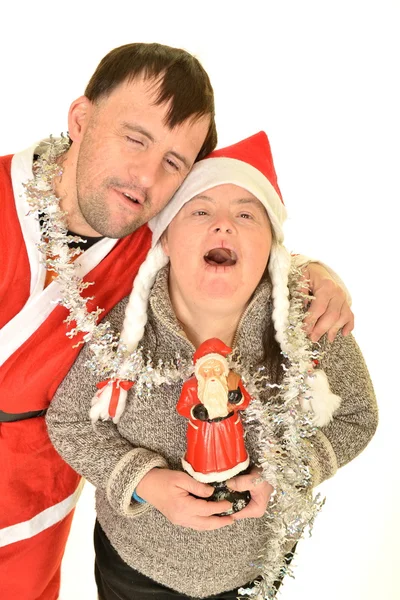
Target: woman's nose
<point>223,223</point>
<point>224,229</point>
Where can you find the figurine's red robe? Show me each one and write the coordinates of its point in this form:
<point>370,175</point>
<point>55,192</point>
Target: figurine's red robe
<point>215,450</point>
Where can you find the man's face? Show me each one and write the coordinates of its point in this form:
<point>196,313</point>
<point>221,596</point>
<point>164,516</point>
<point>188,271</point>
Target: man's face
<point>129,162</point>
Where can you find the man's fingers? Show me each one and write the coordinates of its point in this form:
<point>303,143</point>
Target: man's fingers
<point>348,328</point>
<point>337,316</point>
<point>317,308</point>
<point>327,319</point>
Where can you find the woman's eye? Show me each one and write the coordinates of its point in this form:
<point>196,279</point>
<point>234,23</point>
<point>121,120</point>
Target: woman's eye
<point>200,213</point>
<point>245,216</point>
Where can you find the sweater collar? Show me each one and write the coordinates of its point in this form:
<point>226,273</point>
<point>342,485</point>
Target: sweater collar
<point>248,339</point>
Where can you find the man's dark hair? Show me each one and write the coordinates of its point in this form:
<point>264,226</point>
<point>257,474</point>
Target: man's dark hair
<point>179,75</point>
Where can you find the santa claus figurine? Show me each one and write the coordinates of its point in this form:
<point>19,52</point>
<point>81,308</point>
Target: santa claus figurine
<point>212,400</point>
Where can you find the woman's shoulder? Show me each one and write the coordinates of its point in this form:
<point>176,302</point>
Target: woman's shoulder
<point>116,315</point>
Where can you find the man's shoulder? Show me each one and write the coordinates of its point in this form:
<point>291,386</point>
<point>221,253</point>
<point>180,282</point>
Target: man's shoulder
<point>5,164</point>
<point>5,174</point>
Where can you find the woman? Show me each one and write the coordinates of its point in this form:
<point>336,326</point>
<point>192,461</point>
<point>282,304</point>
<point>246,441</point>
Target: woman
<point>228,278</point>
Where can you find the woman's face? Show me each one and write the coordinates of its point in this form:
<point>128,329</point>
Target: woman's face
<point>218,244</point>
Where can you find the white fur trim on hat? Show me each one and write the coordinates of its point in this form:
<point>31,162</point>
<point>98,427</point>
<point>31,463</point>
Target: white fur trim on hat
<point>211,172</point>
<point>217,476</point>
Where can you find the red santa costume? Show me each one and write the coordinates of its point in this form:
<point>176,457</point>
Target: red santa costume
<point>39,490</point>
<point>215,447</point>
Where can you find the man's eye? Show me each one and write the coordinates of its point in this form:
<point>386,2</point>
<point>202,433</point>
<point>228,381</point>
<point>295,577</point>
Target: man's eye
<point>172,164</point>
<point>245,216</point>
<point>200,213</point>
<point>133,140</point>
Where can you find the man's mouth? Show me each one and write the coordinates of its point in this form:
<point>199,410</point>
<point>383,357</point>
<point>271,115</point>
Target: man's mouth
<point>131,198</point>
<point>221,257</point>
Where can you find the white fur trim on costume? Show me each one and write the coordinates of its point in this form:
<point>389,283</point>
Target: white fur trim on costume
<point>40,522</point>
<point>136,310</point>
<point>41,302</point>
<point>321,400</point>
<point>212,356</point>
<point>211,172</point>
<point>210,477</point>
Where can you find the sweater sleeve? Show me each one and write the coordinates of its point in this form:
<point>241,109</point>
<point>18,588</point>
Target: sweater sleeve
<point>98,452</point>
<point>355,421</point>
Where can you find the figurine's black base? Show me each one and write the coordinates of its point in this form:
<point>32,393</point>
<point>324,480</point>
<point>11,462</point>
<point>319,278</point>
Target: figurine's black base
<point>221,492</point>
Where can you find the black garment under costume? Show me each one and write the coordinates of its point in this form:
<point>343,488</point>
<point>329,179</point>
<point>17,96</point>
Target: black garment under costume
<point>118,581</point>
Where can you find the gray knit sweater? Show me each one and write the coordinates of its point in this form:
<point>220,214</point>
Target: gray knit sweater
<point>150,434</point>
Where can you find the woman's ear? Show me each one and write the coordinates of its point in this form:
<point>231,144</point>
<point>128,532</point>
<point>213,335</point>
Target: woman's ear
<point>164,242</point>
<point>78,117</point>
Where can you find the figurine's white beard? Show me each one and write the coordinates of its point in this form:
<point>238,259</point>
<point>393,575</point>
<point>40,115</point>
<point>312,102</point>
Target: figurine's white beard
<point>214,396</point>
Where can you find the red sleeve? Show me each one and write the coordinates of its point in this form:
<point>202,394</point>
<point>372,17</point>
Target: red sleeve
<point>188,398</point>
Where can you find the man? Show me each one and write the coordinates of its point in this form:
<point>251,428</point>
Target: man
<point>147,115</point>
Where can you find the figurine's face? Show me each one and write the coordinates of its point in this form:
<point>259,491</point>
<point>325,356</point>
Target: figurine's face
<point>219,244</point>
<point>211,369</point>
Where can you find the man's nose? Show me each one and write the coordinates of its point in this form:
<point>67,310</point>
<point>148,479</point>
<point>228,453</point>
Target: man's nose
<point>145,170</point>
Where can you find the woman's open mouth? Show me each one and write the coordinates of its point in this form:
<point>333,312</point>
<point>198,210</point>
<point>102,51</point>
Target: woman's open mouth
<point>221,257</point>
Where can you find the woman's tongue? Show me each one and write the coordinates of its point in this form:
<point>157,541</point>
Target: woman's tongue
<point>221,257</point>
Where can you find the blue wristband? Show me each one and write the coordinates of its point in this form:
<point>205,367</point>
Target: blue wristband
<point>138,498</point>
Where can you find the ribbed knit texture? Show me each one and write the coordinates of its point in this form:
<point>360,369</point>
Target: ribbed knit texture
<point>115,457</point>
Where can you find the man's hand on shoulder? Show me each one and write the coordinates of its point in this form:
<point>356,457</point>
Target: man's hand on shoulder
<point>329,310</point>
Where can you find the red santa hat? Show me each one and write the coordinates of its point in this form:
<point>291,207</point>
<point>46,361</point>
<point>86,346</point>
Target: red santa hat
<point>212,349</point>
<point>247,164</point>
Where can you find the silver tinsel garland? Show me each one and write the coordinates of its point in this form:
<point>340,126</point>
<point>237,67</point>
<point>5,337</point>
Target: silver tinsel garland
<point>282,429</point>
<point>283,433</point>
<point>110,358</point>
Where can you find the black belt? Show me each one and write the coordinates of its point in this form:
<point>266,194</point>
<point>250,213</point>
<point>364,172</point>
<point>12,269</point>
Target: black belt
<point>218,419</point>
<point>10,417</point>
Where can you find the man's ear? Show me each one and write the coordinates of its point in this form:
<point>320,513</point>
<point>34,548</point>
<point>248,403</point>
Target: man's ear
<point>164,242</point>
<point>78,117</point>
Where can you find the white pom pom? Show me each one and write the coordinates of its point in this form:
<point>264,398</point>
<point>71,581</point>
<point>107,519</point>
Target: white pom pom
<point>100,404</point>
<point>121,404</point>
<point>109,402</point>
<point>322,401</point>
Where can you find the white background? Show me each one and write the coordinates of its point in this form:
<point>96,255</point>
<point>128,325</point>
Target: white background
<point>322,79</point>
